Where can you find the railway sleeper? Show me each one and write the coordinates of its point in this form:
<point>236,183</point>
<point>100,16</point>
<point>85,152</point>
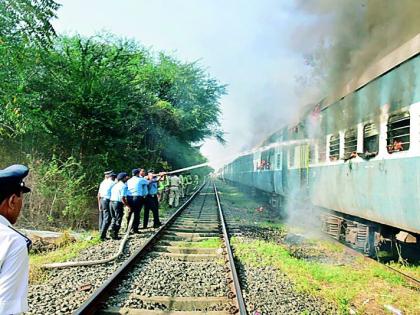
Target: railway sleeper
<point>187,257</point>
<point>185,250</point>
<point>131,311</point>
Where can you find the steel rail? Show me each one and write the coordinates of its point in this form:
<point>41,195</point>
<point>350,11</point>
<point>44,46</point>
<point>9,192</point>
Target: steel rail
<point>240,303</point>
<point>93,304</point>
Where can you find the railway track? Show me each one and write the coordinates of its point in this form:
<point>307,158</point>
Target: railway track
<point>186,267</point>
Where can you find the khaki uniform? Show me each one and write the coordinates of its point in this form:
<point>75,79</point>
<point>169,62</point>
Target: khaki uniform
<point>174,191</point>
<point>181,186</point>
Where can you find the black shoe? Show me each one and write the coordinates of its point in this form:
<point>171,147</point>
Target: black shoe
<point>116,238</point>
<point>136,232</point>
<point>157,225</point>
<point>103,239</point>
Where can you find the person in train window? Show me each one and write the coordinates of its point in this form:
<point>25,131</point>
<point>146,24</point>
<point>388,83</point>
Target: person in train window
<point>268,166</point>
<point>398,146</point>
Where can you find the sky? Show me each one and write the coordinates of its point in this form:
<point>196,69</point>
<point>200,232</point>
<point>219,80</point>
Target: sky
<point>248,45</point>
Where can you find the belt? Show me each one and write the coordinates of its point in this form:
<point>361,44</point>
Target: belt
<point>152,195</point>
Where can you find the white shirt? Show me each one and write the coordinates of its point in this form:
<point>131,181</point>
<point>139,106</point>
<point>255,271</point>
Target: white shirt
<point>14,270</point>
<point>105,188</point>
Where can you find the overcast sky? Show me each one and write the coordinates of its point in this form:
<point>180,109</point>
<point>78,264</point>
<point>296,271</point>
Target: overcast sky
<point>248,45</point>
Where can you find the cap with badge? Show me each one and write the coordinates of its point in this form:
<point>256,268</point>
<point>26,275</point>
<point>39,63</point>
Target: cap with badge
<point>12,177</point>
<point>108,173</point>
<point>135,171</point>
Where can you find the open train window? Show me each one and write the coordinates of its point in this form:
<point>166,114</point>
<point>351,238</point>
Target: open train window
<point>334,147</point>
<point>370,140</point>
<point>322,154</point>
<point>312,154</point>
<point>292,156</point>
<point>350,143</point>
<point>278,161</point>
<point>398,134</point>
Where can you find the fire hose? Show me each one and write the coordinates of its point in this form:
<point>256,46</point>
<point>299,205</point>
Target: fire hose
<point>69,264</point>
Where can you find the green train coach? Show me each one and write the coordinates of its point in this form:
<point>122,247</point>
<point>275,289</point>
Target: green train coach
<point>354,157</point>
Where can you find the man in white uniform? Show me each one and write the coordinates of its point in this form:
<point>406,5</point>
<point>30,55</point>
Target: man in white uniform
<point>14,247</point>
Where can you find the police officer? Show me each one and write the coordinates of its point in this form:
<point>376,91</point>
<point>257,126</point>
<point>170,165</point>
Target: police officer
<point>118,201</point>
<point>196,182</point>
<point>165,193</point>
<point>188,182</point>
<point>104,196</point>
<point>136,198</point>
<point>14,259</point>
<point>152,202</point>
<point>174,191</point>
<point>181,186</point>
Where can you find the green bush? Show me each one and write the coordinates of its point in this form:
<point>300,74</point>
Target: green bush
<point>60,197</point>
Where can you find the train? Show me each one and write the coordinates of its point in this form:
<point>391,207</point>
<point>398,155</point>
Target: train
<point>354,156</point>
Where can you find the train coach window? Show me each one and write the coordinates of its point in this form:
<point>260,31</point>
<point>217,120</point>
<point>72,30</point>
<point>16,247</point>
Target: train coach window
<point>334,147</point>
<point>370,140</point>
<point>398,135</point>
<point>350,143</point>
<point>278,161</point>
<point>322,150</point>
<point>312,153</point>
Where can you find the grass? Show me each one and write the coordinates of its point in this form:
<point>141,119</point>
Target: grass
<point>67,250</point>
<point>213,242</point>
<point>344,285</point>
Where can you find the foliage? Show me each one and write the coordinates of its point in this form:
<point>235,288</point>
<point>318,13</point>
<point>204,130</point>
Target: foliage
<point>342,284</point>
<point>58,196</point>
<point>71,103</point>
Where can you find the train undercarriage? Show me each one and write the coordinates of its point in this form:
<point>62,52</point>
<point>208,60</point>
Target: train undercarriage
<point>371,238</point>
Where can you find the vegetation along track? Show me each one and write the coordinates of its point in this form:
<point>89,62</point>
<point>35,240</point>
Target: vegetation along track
<point>186,267</point>
<point>411,281</point>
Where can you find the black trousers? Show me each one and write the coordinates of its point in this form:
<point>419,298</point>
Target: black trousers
<point>153,205</point>
<point>117,212</point>
<point>105,210</point>
<point>136,203</point>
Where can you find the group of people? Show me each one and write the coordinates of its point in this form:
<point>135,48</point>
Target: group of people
<point>141,191</point>
<point>116,191</point>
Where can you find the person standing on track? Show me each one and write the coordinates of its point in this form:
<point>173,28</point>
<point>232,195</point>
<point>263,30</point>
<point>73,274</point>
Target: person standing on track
<point>118,201</point>
<point>135,198</point>
<point>181,186</point>
<point>104,196</point>
<point>152,202</point>
<point>174,191</point>
<point>14,258</point>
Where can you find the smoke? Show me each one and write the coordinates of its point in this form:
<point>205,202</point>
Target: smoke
<point>343,37</point>
<point>340,39</point>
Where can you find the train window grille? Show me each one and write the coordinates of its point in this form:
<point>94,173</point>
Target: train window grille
<point>334,147</point>
<point>278,161</point>
<point>370,140</point>
<point>398,134</point>
<point>292,156</point>
<point>322,154</point>
<point>312,154</point>
<point>350,143</point>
